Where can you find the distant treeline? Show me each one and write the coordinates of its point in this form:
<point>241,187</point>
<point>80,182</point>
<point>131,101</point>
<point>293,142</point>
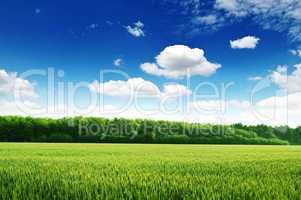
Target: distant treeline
<point>101,130</point>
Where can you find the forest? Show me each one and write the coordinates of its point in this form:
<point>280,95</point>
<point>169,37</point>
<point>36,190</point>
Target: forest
<point>102,130</point>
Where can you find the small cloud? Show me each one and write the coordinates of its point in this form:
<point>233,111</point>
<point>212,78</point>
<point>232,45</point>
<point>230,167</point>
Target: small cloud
<point>136,30</point>
<point>118,62</point>
<point>37,11</point>
<point>296,52</point>
<point>248,42</point>
<point>109,23</point>
<point>93,26</point>
<point>139,24</point>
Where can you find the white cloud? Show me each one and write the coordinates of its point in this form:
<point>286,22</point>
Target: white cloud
<point>230,6</point>
<point>207,106</point>
<point>206,23</point>
<point>218,106</point>
<point>11,84</point>
<point>22,107</point>
<point>208,20</point>
<point>282,109</point>
<point>255,78</point>
<point>296,52</point>
<point>291,83</point>
<point>136,30</point>
<point>248,42</point>
<point>179,61</point>
<point>138,87</point>
<point>131,87</point>
<point>274,111</point>
<point>118,62</point>
<point>278,15</point>
<point>249,7</point>
<point>176,90</point>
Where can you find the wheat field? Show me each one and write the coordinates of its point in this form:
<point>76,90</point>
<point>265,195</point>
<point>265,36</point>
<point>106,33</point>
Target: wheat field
<point>127,171</point>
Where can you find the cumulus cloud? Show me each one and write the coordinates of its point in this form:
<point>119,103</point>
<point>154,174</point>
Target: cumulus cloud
<point>219,105</point>
<point>281,110</point>
<point>133,86</point>
<point>179,61</point>
<point>176,90</point>
<point>138,87</point>
<point>274,111</point>
<point>290,82</point>
<point>136,30</point>
<point>18,108</point>
<point>11,84</point>
<point>248,42</point>
<point>118,62</point>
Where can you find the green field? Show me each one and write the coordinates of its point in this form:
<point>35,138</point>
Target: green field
<point>105,171</point>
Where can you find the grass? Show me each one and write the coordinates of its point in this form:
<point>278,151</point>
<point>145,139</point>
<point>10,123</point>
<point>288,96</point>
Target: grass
<point>105,171</point>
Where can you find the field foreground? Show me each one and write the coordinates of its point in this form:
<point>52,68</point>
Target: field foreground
<point>105,171</point>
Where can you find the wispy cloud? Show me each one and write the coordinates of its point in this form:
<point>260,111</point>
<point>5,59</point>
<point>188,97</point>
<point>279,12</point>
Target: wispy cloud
<point>136,30</point>
<point>108,22</point>
<point>93,26</point>
<point>278,15</point>
<point>207,20</point>
<point>296,52</point>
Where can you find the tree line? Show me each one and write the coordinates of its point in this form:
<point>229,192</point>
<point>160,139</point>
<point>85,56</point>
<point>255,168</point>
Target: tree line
<point>102,130</point>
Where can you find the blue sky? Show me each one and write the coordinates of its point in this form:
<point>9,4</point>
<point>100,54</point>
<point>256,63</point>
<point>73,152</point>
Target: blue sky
<point>84,37</point>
